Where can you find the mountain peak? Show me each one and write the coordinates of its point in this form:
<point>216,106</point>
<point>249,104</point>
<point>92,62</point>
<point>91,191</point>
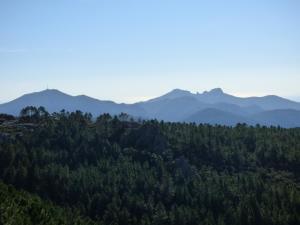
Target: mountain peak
<point>52,91</point>
<point>216,91</point>
<point>177,90</point>
<point>175,93</point>
<point>47,91</point>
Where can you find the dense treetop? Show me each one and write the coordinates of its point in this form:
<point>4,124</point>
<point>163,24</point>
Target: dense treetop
<point>113,170</point>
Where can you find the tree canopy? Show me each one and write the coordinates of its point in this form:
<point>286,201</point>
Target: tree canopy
<point>113,170</point>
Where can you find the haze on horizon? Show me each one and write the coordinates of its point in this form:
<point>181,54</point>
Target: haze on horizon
<point>127,51</point>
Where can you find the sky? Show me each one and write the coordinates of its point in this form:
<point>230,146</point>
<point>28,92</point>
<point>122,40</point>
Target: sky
<point>127,51</point>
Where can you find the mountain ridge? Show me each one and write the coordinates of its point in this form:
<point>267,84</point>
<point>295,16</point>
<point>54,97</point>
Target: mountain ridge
<point>175,106</point>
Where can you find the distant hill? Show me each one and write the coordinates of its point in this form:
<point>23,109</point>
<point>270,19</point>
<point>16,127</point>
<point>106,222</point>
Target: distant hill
<point>269,102</point>
<point>216,116</point>
<point>280,117</point>
<point>215,107</point>
<point>55,101</point>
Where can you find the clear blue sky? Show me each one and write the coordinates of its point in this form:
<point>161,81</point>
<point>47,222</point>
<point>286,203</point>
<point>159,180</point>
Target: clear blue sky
<point>132,50</point>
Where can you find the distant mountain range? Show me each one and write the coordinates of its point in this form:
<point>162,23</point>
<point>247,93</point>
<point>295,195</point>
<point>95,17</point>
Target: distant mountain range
<point>213,107</point>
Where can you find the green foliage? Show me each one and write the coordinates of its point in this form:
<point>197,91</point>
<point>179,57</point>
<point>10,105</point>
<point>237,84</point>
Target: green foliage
<point>117,171</point>
<point>21,208</point>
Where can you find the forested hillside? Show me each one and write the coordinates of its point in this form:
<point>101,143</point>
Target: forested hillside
<point>114,170</point>
<point>19,207</point>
